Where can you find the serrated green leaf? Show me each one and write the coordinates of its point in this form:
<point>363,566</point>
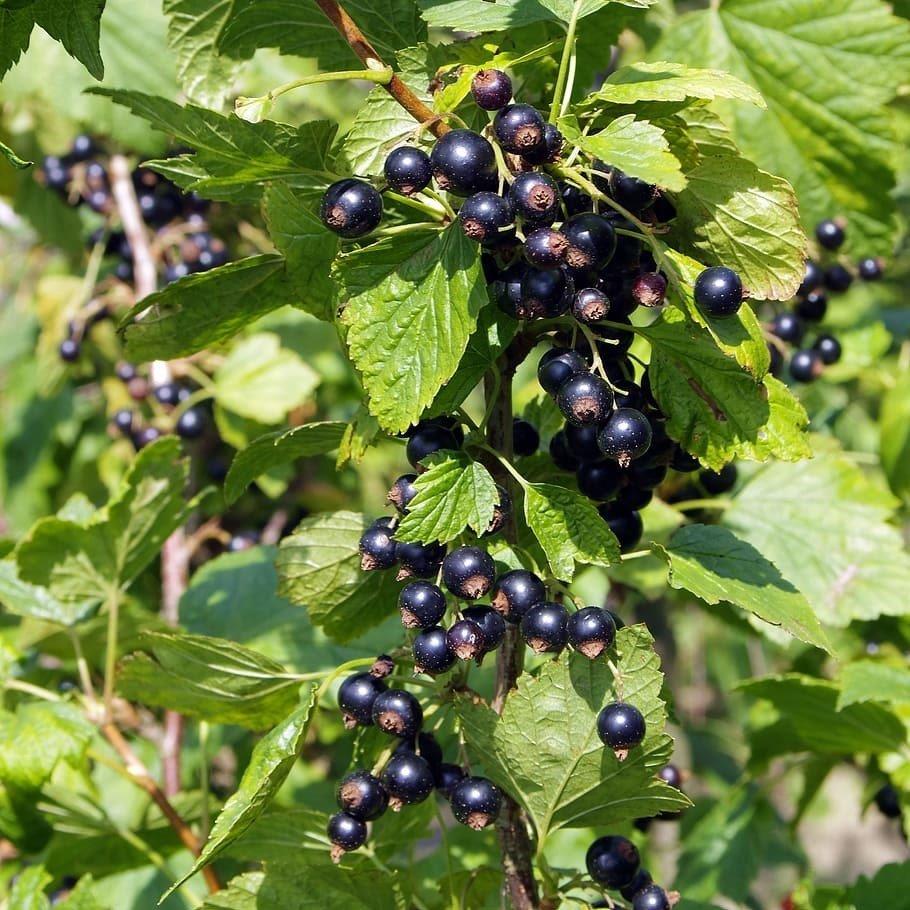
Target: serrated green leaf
<point>27,892</point>
<point>360,434</point>
<point>411,305</point>
<point>545,751</point>
<point>716,566</point>
<point>894,421</point>
<point>503,15</point>
<point>15,30</point>
<point>76,24</point>
<point>291,886</point>
<point>82,897</point>
<point>13,159</point>
<point>24,599</point>
<point>456,493</point>
<point>869,680</point>
<point>240,894</point>
<point>279,448</point>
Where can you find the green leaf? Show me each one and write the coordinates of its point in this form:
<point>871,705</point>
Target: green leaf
<point>456,493</point>
<point>279,448</point>
<point>17,162</point>
<point>319,568</point>
<point>825,526</point>
<point>292,886</point>
<point>27,892</point>
<point>503,15</point>
<point>869,680</point>
<point>204,309</point>
<point>716,566</point>
<point>828,126</point>
<point>261,380</point>
<point>545,752</point>
<point>569,528</point>
<point>894,421</point>
<point>76,24</point>
<point>209,678</point>
<point>15,30</point>
<point>240,894</point>
<point>270,764</point>
<point>411,305</point>
<point>30,600</point>
<point>82,897</point>
<point>636,147</point>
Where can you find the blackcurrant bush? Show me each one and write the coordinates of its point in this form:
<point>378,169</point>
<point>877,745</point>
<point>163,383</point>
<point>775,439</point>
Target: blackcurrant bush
<point>476,802</point>
<point>719,292</point>
<point>718,482</point>
<point>582,442</point>
<point>640,881</point>
<point>491,624</point>
<point>591,631</point>
<point>535,197</point>
<point>599,480</point>
<point>545,628</point>
<point>408,779</point>
<point>192,423</point>
<point>377,549</point>
<point>829,348</point>
<point>515,592</point>
<point>788,327</point>
<point>585,399</point>
<point>464,163</point>
<point>830,234</point>
<point>612,861</point>
<point>871,269</point>
<point>557,366</point>
<point>649,289</point>
<point>888,801</point>
<point>492,89</point>
<point>69,350</point>
<point>806,366</point>
<point>123,420</point>
<point>813,279</point>
<point>408,170</point>
<point>346,833</point>
<point>402,492</point>
<point>422,605</point>
<point>592,241</point>
<point>356,697</point>
<point>625,436</point>
<point>626,526</point>
<point>545,293</point>
<point>432,652</point>
<point>838,279</point>
<point>466,639</point>
<point>620,726</point>
<point>651,897</point>
<point>419,559</point>
<point>397,713</point>
<point>468,572</point>
<point>484,215</point>
<point>351,208</point>
<point>549,151</point>
<point>428,439</point>
<point>561,453</point>
<point>590,305</point>
<point>362,795</point>
<point>525,438</point>
<point>545,247</point>
<point>519,128</point>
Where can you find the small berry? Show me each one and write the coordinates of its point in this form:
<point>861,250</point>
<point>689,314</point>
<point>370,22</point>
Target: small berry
<point>525,438</point>
<point>574,200</point>
<point>397,713</point>
<point>585,399</point>
<point>545,293</point>
<point>652,897</point>
<point>592,242</point>
<point>507,289</point>
<point>583,442</point>
<point>502,511</point>
<point>830,234</point>
<point>83,148</point>
<point>599,480</point>
<point>422,605</point>
<point>492,89</point>
<point>545,247</point>
<point>888,801</point>
<point>813,306</point>
<point>491,624</point>
<point>612,861</point>
<point>464,163</point>
<point>671,775</point>
<point>428,439</point>
<point>545,628</point>
<point>549,151</point>
<point>719,292</point>
<point>641,880</point>
<point>402,492</point>
<point>125,372</point>
<point>361,795</point>
<point>168,394</point>
<point>625,436</point>
<point>838,279</point>
<point>476,802</point>
<point>626,526</point>
<point>718,482</point>
<point>70,350</point>
<point>630,192</point>
<point>146,436</point>
<point>408,779</point>
<point>683,462</point>
<point>561,454</point>
<point>419,559</point>
<point>432,652</point>
<point>346,833</point>
<point>806,366</point>
<point>788,327</point>
<point>535,197</point>
<point>484,215</point>
<point>191,424</point>
<point>468,572</point>
<point>408,170</point>
<point>123,420</point>
<point>356,697</point>
<point>644,474</point>
<point>519,128</point>
<point>871,269</point>
<point>516,592</point>
<point>814,279</point>
<point>829,348</point>
<point>351,208</point>
<point>621,727</point>
<point>649,289</point>
<point>557,366</point>
<point>377,549</point>
<point>466,639</point>
<point>591,631</point>
<point>590,305</point>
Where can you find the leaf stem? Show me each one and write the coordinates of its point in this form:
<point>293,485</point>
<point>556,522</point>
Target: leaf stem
<point>568,52</point>
<point>413,202</point>
<point>85,677</point>
<point>381,76</point>
<point>110,656</point>
<point>20,685</point>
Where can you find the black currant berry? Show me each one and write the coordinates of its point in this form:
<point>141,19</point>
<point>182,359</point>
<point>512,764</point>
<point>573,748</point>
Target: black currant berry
<point>646,474</point>
<point>671,775</point>
<point>633,498</point>
<point>408,170</point>
<point>476,802</point>
<point>191,424</point>
<point>871,269</point>
<point>775,359</point>
<point>582,442</point>
<point>507,290</point>
<point>491,624</point>
<point>69,350</point>
<point>830,234</point>
<point>377,548</point>
<point>838,279</point>
<point>718,482</point>
<point>464,163</point>
<point>419,559</point>
<point>545,628</point>
<point>545,293</point>
<point>788,327</point>
<point>123,420</point>
<point>813,279</point>
<point>535,197</point>
<point>146,436</point>
<point>356,697</point>
<point>351,208</point>
<point>640,881</point>
<point>592,242</point>
<point>397,713</point>
<point>649,289</point>
<point>402,492</point>
<point>888,801</point>
<point>585,399</point>
<point>168,394</point>
<point>590,305</point>
<point>525,438</point>
<point>683,462</point>
<point>83,148</point>
<point>829,348</point>
<point>519,128</point>
<point>362,795</point>
<point>599,480</point>
<point>626,526</point>
<point>408,779</point>
<point>466,639</point>
<point>502,511</point>
<point>432,652</point>
<point>422,605</point>
<point>484,215</point>
<point>813,306</point>
<point>468,572</point>
<point>591,631</point>
<point>561,454</point>
<point>652,897</point>
<point>549,151</point>
<point>574,200</point>
<point>621,727</point>
<point>719,292</point>
<point>545,248</point>
<point>446,777</point>
<point>428,439</point>
<point>612,861</point>
<point>630,192</point>
<point>806,366</point>
<point>625,436</point>
<point>492,89</point>
<point>557,366</point>
<point>125,372</point>
<point>516,592</point>
<point>346,833</point>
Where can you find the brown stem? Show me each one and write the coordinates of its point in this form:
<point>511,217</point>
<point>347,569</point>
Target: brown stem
<point>368,54</point>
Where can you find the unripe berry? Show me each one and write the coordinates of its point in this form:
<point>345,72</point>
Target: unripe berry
<point>649,289</point>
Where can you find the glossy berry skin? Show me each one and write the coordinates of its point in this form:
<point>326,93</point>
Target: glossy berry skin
<point>870,269</point>
<point>361,795</point>
<point>466,639</point>
<point>671,775</point>
<point>525,438</point>
<point>625,436</point>
<point>519,128</point>
<point>427,440</point>
<point>829,349</point>
<point>557,366</point>
<point>830,234</point>
<point>626,525</point>
<point>464,163</point>
<point>491,89</point>
<point>408,779</point>
<point>422,605</point>
<point>535,197</point>
<point>146,436</point>
<point>640,881</point>
<point>591,631</point>
<point>446,777</point>
<point>491,624</point>
<point>813,279</point>
<point>806,366</point>
<point>377,549</point>
<point>585,399</point>
<point>432,652</point>
<point>191,424</point>
<point>574,200</point>
<point>649,289</point>
<point>408,170</point>
<point>168,394</point>
<point>351,208</point>
<point>545,293</point>
<point>683,462</point>
<point>545,248</point>
<point>346,832</point>
<point>633,499</point>
<point>356,697</point>
<point>590,306</point>
<point>813,306</point>
<point>476,802</point>
<point>468,572</point>
<point>484,215</point>
<point>599,480</point>
<point>838,279</point>
<point>630,192</point>
<point>402,492</point>
<point>69,350</point>
<point>592,242</point>
<point>888,801</point>
<point>582,442</point>
<point>516,592</point>
<point>545,628</point>
<point>562,455</point>
<point>652,897</point>
<point>123,420</point>
<point>719,292</point>
<point>507,289</point>
<point>620,726</point>
<point>549,151</point>
<point>612,861</point>
<point>397,713</point>
<point>788,327</point>
<point>422,560</point>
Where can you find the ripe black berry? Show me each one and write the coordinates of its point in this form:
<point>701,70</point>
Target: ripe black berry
<point>671,775</point>
<point>652,897</point>
<point>168,394</point>
<point>813,306</point>
<point>806,366</point>
<point>838,279</point>
<point>549,150</point>
<point>621,727</point>
<point>346,833</point>
<point>422,605</point>
<point>545,293</point>
<point>591,631</point>
<point>506,289</point>
<point>519,128</point>
<point>633,498</point>
<point>649,289</point>
<point>402,492</point>
<point>83,148</point>
<point>525,438</point>
<point>545,247</point>
<point>585,399</point>
<point>574,200</point>
<point>626,526</point>
<point>468,572</point>
<point>775,359</point>
<point>502,511</point>
<point>356,697</point>
<point>397,713</point>
<point>408,170</point>
<point>484,215</point>
<point>125,371</point>
<point>408,779</point>
<point>476,802</point>
<point>719,482</point>
<point>640,881</point>
<point>446,777</point>
<point>592,242</point>
<point>625,436</point>
<point>612,861</point>
<point>492,89</point>
<point>123,420</point>
<point>599,480</point>
<point>582,442</point>
<point>683,462</point>
<point>491,624</point>
<point>871,269</point>
<point>830,234</point>
<point>630,192</point>
<point>561,454</point>
<point>557,366</point>
<point>646,474</point>
<point>419,559</point>
<point>788,327</point>
<point>814,278</point>
<point>888,801</point>
<point>361,795</point>
<point>432,652</point>
<point>466,639</point>
<point>719,292</point>
<point>428,439</point>
<point>535,197</point>
<point>377,549</point>
<point>351,208</point>
<point>590,305</point>
<point>464,163</point>
<point>191,424</point>
<point>146,436</point>
<point>69,350</point>
<point>544,628</point>
<point>829,348</point>
<point>516,592</point>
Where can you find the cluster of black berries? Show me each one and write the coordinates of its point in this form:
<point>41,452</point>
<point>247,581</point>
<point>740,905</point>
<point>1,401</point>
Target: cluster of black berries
<point>414,770</point>
<point>614,863</point>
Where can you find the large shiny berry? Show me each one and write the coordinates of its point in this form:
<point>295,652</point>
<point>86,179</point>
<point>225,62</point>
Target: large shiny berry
<point>377,548</point>
<point>466,639</point>
<point>408,170</point>
<point>625,436</point>
<point>838,278</point>
<point>464,163</point>
<point>432,652</point>
<point>592,242</point>
<point>356,697</point>
<point>191,424</point>
<point>397,713</point>
<point>345,833</point>
<point>476,802</point>
<point>422,605</point>
<point>491,624</point>
<point>719,292</point>
<point>813,306</point>
<point>806,366</point>
<point>590,305</point>
<point>428,439</point>
<point>516,592</point>
<point>612,861</point>
<point>545,247</point>
<point>420,559</point>
<point>585,399</point>
<point>651,897</point>
<point>492,89</point>
<point>557,366</point>
<point>519,128</point>
<point>830,234</point>
<point>484,215</point>
<point>362,795</point>
<point>407,778</point>
<point>545,628</point>
<point>591,631</point>
<point>599,480</point>
<point>468,572</point>
<point>545,293</point>
<point>535,197</point>
<point>788,327</point>
<point>351,208</point>
<point>620,726</point>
